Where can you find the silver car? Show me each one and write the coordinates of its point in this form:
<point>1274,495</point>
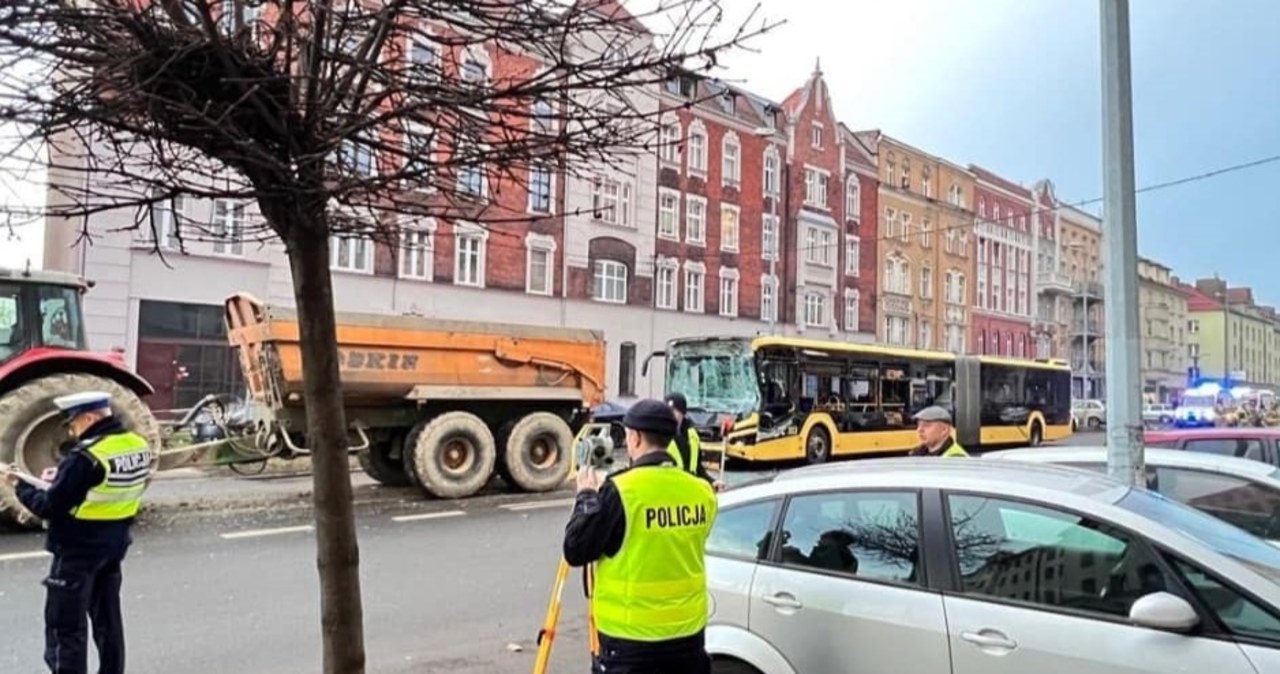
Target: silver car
<point>1242,492</point>
<point>969,566</point>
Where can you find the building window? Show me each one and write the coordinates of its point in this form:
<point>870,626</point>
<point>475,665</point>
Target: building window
<point>729,292</point>
<point>897,329</point>
<point>357,156</point>
<point>852,199</point>
<point>729,228</point>
<point>540,188</point>
<point>852,255</point>
<point>471,180</point>
<point>816,136</point>
<point>697,149</point>
<point>166,222</point>
<point>897,272</point>
<point>768,298</point>
<point>890,223</point>
<point>815,188</point>
<point>668,214</point>
<point>228,227</point>
<point>469,256</point>
<point>955,338</point>
<point>851,305</point>
<point>669,152</point>
<point>731,164</point>
<point>815,309</point>
<point>627,370</point>
<point>474,70</point>
<point>982,274</point>
<point>424,61</point>
<point>611,201</point>
<point>609,282</point>
<point>417,254</point>
<point>771,171</point>
<point>926,335</point>
<point>539,263</point>
<point>769,237</point>
<point>350,252</point>
<point>419,166</point>
<point>542,117</point>
<point>665,295</point>
<point>926,233</point>
<point>926,283</point>
<point>955,196</point>
<point>696,220</point>
<point>904,233</point>
<point>694,285</point>
<point>904,179</point>
<point>926,182</point>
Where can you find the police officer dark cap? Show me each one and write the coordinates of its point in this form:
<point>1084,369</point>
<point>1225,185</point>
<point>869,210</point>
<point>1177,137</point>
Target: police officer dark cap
<point>651,416</point>
<point>678,402</point>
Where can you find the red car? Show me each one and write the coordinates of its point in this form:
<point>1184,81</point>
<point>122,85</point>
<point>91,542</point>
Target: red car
<point>1259,444</point>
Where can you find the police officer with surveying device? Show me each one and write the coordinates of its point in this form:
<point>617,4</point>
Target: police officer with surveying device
<point>645,528</point>
<point>95,493</point>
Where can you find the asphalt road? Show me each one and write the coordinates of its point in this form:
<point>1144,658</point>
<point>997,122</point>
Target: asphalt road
<point>447,586</point>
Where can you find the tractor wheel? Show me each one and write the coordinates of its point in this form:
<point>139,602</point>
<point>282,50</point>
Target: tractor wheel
<point>32,434</point>
<point>537,452</point>
<point>383,462</point>
<point>452,455</point>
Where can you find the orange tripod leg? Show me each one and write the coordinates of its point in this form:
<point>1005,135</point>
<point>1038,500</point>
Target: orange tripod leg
<point>547,635</point>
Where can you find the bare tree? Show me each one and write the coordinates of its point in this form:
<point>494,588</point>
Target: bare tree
<point>339,119</point>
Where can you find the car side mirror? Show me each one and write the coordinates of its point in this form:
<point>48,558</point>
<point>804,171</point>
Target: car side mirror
<point>1163,611</point>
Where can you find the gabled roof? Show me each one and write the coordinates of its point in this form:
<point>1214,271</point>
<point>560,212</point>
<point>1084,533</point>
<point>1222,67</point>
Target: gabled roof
<point>855,152</point>
<point>1199,301</point>
<point>987,176</point>
<point>613,11</point>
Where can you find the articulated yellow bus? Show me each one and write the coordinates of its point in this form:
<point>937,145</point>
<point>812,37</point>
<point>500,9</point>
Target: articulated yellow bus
<point>785,398</point>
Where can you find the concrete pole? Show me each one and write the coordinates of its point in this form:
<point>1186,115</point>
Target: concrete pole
<point>1120,239</point>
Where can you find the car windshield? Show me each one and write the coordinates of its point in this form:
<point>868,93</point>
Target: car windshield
<point>714,376</point>
<point>1212,532</point>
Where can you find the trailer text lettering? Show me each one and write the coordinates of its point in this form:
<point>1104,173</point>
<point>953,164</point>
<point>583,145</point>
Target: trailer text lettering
<point>377,360</point>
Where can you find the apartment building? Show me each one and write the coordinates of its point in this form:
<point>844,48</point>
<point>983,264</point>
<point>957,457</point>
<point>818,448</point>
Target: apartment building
<point>1051,323</point>
<point>748,223</point>
<point>1162,309</point>
<point>1230,336</point>
<point>1005,299</point>
<point>924,256</point>
<point>1080,247</point>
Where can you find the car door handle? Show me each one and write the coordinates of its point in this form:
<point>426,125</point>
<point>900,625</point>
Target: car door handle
<point>782,600</point>
<point>989,639</point>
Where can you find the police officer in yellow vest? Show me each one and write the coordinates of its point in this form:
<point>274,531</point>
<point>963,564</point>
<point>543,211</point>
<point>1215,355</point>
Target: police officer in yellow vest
<point>95,493</point>
<point>686,447</point>
<point>933,427</point>
<point>646,528</point>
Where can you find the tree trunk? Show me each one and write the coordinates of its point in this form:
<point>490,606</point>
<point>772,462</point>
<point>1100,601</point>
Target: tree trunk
<point>337,552</point>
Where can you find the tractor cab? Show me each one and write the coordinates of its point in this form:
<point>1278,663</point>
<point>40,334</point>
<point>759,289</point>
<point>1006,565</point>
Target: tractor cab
<point>39,310</point>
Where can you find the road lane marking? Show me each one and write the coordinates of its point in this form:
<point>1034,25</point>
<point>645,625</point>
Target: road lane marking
<point>19,556</point>
<point>427,516</point>
<point>256,533</point>
<point>538,505</point>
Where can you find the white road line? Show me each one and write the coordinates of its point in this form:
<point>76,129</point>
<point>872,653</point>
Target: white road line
<point>427,516</point>
<point>19,556</point>
<point>255,533</point>
<point>538,505</point>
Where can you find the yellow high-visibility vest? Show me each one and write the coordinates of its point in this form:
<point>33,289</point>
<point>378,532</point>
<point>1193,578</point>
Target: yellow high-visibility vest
<point>126,457</point>
<point>655,587</point>
<point>695,447</point>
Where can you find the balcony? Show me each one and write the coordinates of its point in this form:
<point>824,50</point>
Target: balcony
<point>1082,328</point>
<point>1091,290</point>
<point>1055,283</point>
<point>1088,368</point>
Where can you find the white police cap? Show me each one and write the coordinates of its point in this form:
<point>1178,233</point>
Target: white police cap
<point>79,403</point>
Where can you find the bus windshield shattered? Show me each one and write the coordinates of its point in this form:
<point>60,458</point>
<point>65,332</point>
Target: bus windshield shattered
<point>714,375</point>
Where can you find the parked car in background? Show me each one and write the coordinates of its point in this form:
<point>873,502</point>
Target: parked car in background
<point>1091,414</point>
<point>975,566</point>
<point>1259,444</point>
<point>1157,414</point>
<point>1237,491</point>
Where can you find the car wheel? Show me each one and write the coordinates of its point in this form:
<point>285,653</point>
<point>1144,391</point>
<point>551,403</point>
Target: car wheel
<point>1094,423</point>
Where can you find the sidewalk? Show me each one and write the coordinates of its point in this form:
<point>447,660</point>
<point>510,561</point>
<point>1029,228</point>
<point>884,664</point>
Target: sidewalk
<point>219,489</point>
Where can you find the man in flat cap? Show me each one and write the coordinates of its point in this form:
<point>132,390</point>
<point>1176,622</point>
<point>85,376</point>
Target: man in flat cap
<point>933,426</point>
<point>645,529</point>
<point>95,493</point>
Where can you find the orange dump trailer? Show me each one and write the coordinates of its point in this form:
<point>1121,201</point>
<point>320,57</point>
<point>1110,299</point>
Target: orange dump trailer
<point>441,404</point>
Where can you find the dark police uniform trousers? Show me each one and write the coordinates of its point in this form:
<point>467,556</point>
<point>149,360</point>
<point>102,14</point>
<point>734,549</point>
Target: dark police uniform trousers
<point>84,579</point>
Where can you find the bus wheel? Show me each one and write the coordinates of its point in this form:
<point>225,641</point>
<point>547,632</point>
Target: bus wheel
<point>817,447</point>
<point>1037,434</point>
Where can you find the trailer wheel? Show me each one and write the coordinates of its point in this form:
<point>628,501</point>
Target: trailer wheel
<point>383,461</point>
<point>31,432</point>
<point>453,455</point>
<point>538,451</point>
